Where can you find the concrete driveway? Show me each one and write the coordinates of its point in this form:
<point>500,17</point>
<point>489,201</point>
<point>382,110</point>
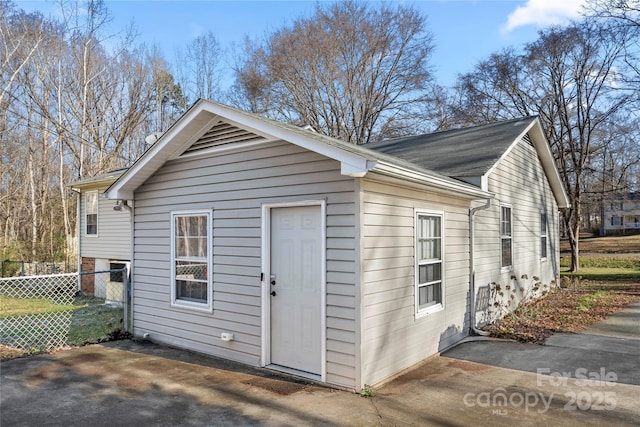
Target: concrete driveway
<point>476,383</point>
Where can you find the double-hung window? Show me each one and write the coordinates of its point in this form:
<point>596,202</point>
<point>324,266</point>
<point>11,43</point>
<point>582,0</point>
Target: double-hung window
<point>429,265</point>
<point>506,237</point>
<point>91,213</point>
<point>543,235</point>
<point>191,244</point>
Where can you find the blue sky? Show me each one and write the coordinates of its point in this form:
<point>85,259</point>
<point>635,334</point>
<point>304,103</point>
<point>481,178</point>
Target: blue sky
<point>465,31</point>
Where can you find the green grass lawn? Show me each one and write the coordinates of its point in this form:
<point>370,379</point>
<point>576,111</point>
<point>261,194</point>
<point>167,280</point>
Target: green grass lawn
<point>87,320</point>
<point>93,322</point>
<point>607,244</point>
<point>10,306</point>
<point>604,268</point>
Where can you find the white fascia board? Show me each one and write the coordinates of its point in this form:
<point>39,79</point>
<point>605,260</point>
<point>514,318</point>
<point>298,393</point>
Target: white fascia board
<point>549,165</point>
<point>351,163</point>
<point>541,146</point>
<point>357,171</point>
<point>460,189</point>
<point>198,120</point>
<point>514,143</point>
<point>191,126</point>
<point>92,186</point>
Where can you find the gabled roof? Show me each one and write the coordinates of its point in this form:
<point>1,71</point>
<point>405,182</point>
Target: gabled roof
<point>473,152</point>
<point>195,126</point>
<point>459,152</point>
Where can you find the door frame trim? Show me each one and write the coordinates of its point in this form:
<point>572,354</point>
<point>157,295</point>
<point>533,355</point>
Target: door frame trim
<point>265,284</point>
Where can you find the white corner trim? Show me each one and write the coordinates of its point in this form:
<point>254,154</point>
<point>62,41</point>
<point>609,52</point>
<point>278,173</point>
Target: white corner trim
<point>356,171</point>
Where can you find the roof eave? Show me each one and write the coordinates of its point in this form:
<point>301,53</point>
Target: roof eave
<point>549,165</point>
<point>443,184</point>
<point>200,117</point>
<point>92,183</point>
<point>541,146</point>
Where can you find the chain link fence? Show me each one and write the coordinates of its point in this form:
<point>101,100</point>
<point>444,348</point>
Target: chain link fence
<point>39,313</point>
<point>10,268</point>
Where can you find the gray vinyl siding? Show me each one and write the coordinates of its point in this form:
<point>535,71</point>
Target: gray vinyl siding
<point>235,185</point>
<point>113,240</point>
<point>392,337</point>
<point>520,182</point>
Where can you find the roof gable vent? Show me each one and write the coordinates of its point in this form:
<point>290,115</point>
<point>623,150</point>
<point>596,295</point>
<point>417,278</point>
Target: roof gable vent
<point>222,134</point>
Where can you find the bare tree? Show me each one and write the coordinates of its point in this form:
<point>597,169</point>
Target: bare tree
<point>203,63</point>
<point>73,108</point>
<point>167,98</point>
<point>18,43</point>
<point>623,16</point>
<point>352,70</point>
<point>570,78</point>
<point>625,11</point>
<point>251,89</point>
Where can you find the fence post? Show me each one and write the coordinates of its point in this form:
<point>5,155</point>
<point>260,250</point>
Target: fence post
<point>125,285</point>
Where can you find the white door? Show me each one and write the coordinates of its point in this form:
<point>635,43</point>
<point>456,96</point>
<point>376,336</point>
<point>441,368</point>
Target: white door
<point>296,289</point>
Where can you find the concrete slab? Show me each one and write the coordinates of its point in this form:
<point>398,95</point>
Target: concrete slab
<point>564,383</point>
<point>623,324</point>
<point>143,384</point>
<point>597,343</point>
<point>615,349</point>
<point>565,355</point>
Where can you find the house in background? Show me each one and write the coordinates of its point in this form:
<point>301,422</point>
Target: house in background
<point>279,247</point>
<point>622,215</point>
<point>104,236</point>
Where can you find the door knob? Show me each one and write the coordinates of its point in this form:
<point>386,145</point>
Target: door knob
<point>273,280</point>
<point>273,293</point>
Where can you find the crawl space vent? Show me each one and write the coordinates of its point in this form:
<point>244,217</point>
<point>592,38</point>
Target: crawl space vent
<point>222,134</point>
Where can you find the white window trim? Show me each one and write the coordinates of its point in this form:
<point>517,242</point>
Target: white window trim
<point>175,302</point>
<point>437,307</point>
<point>86,212</point>
<point>505,268</point>
<point>543,216</point>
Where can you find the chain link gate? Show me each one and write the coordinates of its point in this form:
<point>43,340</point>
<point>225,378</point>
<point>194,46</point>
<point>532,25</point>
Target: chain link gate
<point>39,313</point>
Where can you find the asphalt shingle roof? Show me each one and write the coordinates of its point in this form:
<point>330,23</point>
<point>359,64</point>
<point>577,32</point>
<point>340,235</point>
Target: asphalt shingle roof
<point>464,152</point>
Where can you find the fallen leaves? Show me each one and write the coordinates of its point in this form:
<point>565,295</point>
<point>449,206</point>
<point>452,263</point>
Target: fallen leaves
<point>571,309</point>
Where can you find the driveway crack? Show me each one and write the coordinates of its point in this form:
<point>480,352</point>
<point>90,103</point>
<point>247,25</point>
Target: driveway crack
<point>376,409</point>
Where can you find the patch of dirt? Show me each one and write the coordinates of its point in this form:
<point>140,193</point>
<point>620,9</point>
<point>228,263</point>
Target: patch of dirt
<point>77,358</point>
<point>11,353</point>
<point>604,245</point>
<point>275,386</point>
<point>7,353</point>
<point>466,366</point>
<point>570,309</point>
<point>42,374</point>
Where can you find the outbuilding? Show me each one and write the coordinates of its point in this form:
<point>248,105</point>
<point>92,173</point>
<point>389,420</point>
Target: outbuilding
<point>279,247</point>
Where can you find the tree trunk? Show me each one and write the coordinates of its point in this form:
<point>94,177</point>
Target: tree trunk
<point>34,205</point>
<point>575,249</point>
<point>573,230</point>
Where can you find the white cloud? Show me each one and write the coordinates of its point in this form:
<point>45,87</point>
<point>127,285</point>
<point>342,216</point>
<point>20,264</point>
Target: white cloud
<point>543,13</point>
